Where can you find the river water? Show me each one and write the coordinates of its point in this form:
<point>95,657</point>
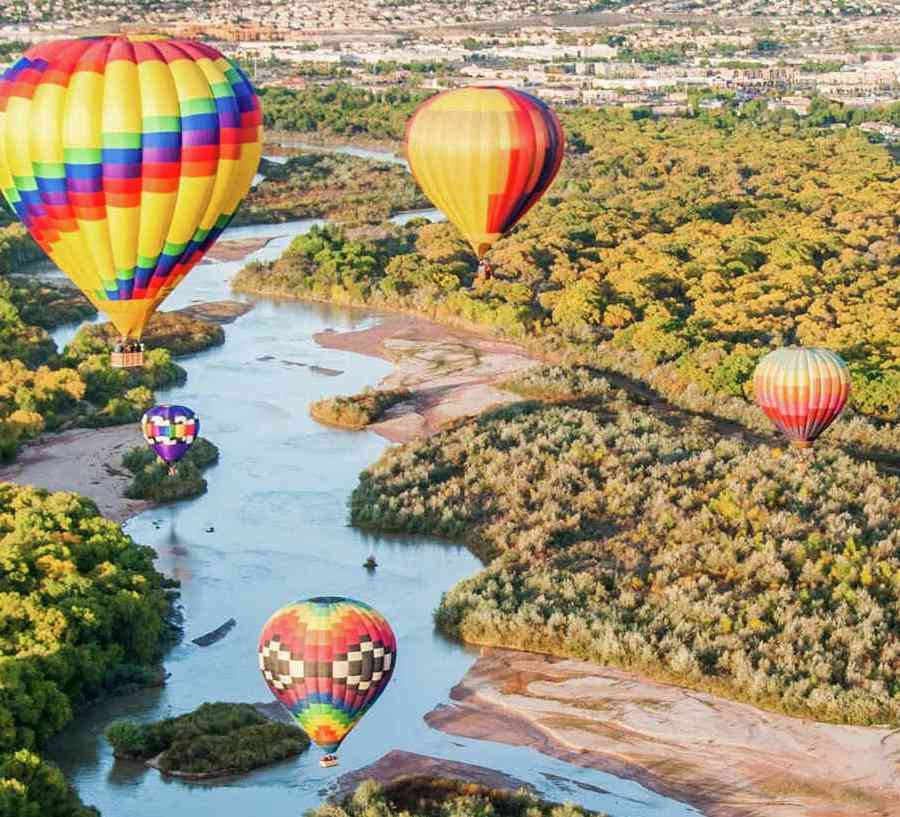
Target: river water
<point>277,502</point>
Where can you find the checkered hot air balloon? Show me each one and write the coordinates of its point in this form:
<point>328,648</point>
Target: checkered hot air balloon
<point>126,158</point>
<point>484,156</point>
<point>802,391</point>
<point>170,431</point>
<point>327,660</point>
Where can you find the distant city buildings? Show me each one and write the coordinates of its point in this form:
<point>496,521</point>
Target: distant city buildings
<point>785,50</point>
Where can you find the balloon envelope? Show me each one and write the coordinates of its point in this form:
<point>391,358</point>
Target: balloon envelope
<point>484,156</point>
<point>170,431</point>
<point>327,659</point>
<point>802,390</point>
<point>126,158</point>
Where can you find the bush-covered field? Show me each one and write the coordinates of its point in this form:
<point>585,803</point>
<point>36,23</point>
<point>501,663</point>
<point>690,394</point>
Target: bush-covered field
<point>215,739</point>
<point>82,612</point>
<point>436,797</point>
<point>151,476</point>
<point>661,542</point>
<point>676,252</point>
<point>322,185</point>
<point>358,410</point>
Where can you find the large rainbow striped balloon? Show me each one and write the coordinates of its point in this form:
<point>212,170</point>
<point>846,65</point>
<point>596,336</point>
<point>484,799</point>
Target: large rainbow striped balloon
<point>802,391</point>
<point>484,156</point>
<point>126,158</point>
<point>327,660</point>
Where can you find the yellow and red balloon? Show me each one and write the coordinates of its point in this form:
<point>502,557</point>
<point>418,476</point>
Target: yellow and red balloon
<point>484,156</point>
<point>802,391</point>
<point>126,158</point>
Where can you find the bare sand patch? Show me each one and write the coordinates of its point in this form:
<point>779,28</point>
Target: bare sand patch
<point>450,373</point>
<point>235,249</point>
<point>726,758</point>
<point>85,461</point>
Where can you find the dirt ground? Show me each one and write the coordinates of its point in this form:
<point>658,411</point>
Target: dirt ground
<point>451,373</point>
<point>726,758</point>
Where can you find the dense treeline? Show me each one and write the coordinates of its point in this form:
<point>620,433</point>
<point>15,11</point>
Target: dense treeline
<point>673,251</point>
<point>321,185</point>
<point>650,539</point>
<point>340,108</point>
<point>437,797</point>
<point>82,612</point>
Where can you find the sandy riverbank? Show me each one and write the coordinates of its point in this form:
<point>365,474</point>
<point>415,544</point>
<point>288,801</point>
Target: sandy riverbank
<point>396,764</point>
<point>236,249</point>
<point>451,373</point>
<point>726,758</point>
<point>86,461</point>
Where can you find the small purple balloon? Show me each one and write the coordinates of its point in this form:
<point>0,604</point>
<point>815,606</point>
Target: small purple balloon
<point>170,431</point>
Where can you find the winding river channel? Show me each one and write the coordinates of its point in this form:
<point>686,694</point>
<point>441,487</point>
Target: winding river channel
<point>277,503</point>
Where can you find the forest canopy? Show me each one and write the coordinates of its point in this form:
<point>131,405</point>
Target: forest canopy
<point>82,612</point>
<point>675,251</point>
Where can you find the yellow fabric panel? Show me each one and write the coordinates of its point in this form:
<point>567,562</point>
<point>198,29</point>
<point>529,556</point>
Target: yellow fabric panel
<point>129,317</point>
<point>459,147</point>
<point>18,154</point>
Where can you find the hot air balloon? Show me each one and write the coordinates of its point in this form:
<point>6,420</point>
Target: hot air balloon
<point>484,156</point>
<point>126,157</point>
<point>802,391</point>
<point>170,431</point>
<point>327,660</point>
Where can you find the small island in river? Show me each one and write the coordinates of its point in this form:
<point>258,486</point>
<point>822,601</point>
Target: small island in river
<point>215,740</point>
<point>152,480</point>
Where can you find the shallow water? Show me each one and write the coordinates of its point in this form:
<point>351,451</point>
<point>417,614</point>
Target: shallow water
<point>278,504</point>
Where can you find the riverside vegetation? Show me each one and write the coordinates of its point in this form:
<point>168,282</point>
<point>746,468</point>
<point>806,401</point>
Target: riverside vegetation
<point>358,410</point>
<point>151,476</point>
<point>436,797</point>
<point>340,109</point>
<point>42,390</point>
<point>334,186</point>
<point>83,612</point>
<point>214,740</point>
<point>176,332</point>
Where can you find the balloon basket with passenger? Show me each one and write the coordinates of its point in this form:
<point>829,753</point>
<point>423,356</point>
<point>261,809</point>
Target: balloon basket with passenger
<point>127,354</point>
<point>327,761</point>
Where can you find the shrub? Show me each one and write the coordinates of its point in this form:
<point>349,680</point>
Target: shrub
<point>358,410</point>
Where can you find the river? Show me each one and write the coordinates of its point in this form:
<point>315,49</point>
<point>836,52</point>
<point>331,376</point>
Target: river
<point>278,504</point>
